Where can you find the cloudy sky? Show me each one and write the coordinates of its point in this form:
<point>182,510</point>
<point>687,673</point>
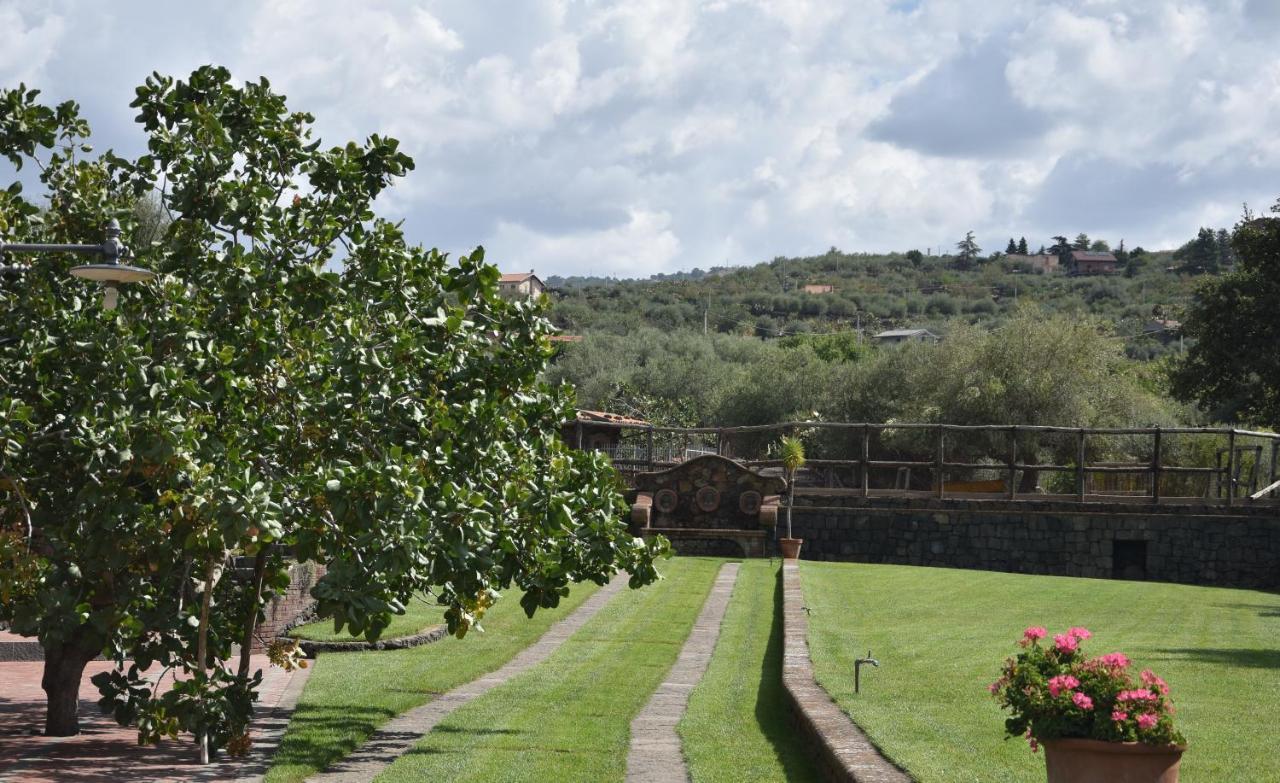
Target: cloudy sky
<point>650,136</point>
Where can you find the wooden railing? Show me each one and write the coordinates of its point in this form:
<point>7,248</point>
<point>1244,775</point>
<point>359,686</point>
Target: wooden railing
<point>1224,481</point>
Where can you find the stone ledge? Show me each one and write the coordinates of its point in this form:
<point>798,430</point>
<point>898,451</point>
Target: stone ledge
<point>846,755</point>
<point>312,647</point>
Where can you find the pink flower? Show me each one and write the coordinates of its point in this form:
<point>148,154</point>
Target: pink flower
<point>1141,694</point>
<point>1080,633</point>
<point>1032,634</point>
<point>1149,678</point>
<point>1146,720</point>
<point>1082,701</point>
<point>995,686</point>
<point>1118,715</point>
<point>1063,682</point>
<point>1065,643</point>
<point>1035,746</point>
<point>1114,660</point>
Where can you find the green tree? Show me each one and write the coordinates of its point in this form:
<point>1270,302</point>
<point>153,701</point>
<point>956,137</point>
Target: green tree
<point>385,420</point>
<point>1232,366</point>
<point>1012,248</point>
<point>915,257</point>
<point>1081,242</point>
<point>967,252</point>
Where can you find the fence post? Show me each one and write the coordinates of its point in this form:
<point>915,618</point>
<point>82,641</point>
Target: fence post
<point>1080,466</point>
<point>866,458</point>
<point>1275,469</point>
<point>938,462</point>
<point>1013,461</point>
<point>1231,467</point>
<point>577,429</point>
<point>1155,469</point>
<point>651,462</point>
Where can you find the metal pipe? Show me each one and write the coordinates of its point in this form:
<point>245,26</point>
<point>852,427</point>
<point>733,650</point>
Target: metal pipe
<point>857,670</point>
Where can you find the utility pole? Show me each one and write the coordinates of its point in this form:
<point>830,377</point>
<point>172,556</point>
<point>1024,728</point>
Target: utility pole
<point>704,320</point>
<point>858,327</point>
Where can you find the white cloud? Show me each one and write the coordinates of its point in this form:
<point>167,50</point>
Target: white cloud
<point>634,137</point>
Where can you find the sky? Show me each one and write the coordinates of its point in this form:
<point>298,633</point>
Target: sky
<point>632,138</point>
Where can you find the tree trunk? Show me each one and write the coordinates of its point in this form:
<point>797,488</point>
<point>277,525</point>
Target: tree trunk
<point>251,622</point>
<point>63,669</point>
<point>1028,482</point>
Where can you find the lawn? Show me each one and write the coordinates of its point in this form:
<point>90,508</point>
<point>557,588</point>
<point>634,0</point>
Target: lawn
<point>940,636</point>
<point>738,726</point>
<point>418,616</point>
<point>568,719</point>
<point>350,695</point>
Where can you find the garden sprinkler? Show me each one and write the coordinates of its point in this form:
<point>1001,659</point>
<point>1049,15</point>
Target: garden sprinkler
<point>857,670</point>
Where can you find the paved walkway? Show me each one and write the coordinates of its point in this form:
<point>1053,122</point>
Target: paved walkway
<point>655,755</point>
<point>400,734</point>
<point>105,751</point>
<point>844,751</point>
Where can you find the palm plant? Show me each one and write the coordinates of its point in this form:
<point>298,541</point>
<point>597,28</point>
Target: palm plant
<point>792,452</point>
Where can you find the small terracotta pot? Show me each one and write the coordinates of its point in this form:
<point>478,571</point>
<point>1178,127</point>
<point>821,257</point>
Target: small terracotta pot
<point>790,547</point>
<point>1095,761</point>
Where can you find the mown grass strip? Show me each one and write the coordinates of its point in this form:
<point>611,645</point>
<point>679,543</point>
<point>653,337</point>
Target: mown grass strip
<point>419,614</point>
<point>568,719</point>
<point>737,726</point>
<point>940,636</point>
<point>350,695</point>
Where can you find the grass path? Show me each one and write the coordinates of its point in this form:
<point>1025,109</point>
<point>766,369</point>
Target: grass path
<point>737,727</point>
<point>349,695</point>
<point>418,616</point>
<point>940,636</point>
<point>568,718</point>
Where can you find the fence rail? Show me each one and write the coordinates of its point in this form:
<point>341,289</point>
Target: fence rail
<point>1158,463</point>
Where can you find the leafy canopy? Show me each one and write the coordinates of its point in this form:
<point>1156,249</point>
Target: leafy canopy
<point>299,383</point>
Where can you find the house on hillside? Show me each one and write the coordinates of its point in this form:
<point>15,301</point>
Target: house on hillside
<point>1088,262</point>
<point>1040,263</point>
<point>518,285</point>
<point>907,335</point>
<point>598,430</point>
<point>1166,330</point>
<point>816,288</point>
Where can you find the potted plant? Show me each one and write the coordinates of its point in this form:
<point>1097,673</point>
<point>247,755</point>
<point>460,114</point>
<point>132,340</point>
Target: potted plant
<point>1094,721</point>
<point>792,452</point>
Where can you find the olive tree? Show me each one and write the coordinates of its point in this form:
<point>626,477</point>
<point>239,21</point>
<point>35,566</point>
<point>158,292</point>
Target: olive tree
<point>299,383</point>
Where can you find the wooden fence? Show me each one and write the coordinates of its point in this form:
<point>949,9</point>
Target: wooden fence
<point>1245,465</point>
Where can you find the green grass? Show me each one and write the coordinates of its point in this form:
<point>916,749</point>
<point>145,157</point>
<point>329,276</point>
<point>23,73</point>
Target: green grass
<point>350,695</point>
<point>940,636</point>
<point>738,727</point>
<point>418,616</point>
<point>568,719</point>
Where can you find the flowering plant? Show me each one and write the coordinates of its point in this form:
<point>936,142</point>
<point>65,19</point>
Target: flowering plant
<point>1054,691</point>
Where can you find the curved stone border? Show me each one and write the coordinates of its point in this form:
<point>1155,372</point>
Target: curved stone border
<point>311,646</point>
<point>656,755</point>
<point>847,756</point>
<point>398,735</point>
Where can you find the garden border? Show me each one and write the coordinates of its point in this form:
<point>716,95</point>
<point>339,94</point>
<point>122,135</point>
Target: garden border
<point>845,753</point>
<point>312,647</point>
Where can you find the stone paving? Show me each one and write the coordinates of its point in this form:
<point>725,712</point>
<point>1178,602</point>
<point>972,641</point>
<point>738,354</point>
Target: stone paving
<point>846,753</point>
<point>656,755</point>
<point>105,751</point>
<point>400,734</point>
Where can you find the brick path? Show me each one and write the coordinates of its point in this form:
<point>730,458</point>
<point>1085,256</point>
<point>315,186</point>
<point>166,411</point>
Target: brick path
<point>400,734</point>
<point>846,753</point>
<point>104,751</point>
<point>655,755</point>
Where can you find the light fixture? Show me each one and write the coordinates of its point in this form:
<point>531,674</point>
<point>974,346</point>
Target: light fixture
<point>111,273</point>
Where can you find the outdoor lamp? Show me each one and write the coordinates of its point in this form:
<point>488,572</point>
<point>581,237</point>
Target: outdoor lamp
<point>110,272</point>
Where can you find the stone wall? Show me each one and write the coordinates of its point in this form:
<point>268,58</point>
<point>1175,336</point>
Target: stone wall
<point>1191,544</point>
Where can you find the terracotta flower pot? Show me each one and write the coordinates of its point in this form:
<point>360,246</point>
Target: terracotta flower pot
<point>1095,761</point>
<point>790,547</point>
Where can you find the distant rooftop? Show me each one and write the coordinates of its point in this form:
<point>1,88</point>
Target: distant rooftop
<point>893,333</point>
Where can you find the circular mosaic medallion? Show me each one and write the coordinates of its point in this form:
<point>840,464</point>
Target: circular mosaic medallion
<point>749,502</point>
<point>707,499</point>
<point>666,500</point>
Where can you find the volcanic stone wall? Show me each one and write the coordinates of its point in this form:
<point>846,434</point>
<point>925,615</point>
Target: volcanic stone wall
<point>1203,545</point>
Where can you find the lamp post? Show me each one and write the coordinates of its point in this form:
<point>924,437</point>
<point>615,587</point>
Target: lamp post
<point>110,272</point>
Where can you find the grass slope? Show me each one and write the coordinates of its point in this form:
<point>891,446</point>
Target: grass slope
<point>418,616</point>
<point>940,636</point>
<point>568,719</point>
<point>350,695</point>
<point>737,727</point>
